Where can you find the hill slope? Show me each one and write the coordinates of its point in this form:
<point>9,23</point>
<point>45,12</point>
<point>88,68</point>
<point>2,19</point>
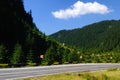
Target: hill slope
<point>18,29</point>
<point>103,36</point>
<point>20,40</point>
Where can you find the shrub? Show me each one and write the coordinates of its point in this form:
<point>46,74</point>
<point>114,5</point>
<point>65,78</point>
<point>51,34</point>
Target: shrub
<point>74,62</point>
<point>44,63</point>
<point>3,65</point>
<point>31,64</point>
<point>66,63</point>
<point>55,63</point>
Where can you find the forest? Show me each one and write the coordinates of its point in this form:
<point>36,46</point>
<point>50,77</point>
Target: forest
<point>98,39</point>
<point>22,43</point>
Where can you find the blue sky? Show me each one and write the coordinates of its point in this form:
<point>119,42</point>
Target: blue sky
<point>51,16</point>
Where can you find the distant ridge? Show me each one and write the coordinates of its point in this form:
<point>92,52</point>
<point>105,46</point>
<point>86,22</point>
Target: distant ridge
<point>104,35</point>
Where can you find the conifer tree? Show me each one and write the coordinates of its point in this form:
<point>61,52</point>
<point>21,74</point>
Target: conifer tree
<point>17,54</point>
<point>3,54</point>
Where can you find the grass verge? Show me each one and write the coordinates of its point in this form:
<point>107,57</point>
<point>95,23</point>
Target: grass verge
<point>110,74</point>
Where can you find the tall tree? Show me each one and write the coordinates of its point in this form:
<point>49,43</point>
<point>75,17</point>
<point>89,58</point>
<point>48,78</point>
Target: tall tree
<point>50,55</point>
<point>30,58</point>
<point>17,54</point>
<point>3,54</point>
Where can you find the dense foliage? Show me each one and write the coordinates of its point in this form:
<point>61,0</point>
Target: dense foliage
<point>18,33</point>
<point>103,36</point>
<point>20,40</point>
<point>100,38</point>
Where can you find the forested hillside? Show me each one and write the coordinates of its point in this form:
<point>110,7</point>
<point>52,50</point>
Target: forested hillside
<point>19,35</point>
<point>98,42</point>
<point>101,37</point>
<point>21,43</point>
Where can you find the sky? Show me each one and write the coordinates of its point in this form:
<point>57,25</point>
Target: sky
<point>51,16</point>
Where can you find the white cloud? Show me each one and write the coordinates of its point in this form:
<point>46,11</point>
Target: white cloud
<point>80,8</point>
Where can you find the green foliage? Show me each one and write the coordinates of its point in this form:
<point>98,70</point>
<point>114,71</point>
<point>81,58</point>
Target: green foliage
<point>30,58</point>
<point>53,54</point>
<point>31,64</point>
<point>98,37</point>
<point>3,54</point>
<point>96,43</point>
<point>55,63</point>
<point>65,56</point>
<point>17,54</point>
<point>3,65</point>
<point>50,55</point>
<point>17,27</point>
<point>73,57</point>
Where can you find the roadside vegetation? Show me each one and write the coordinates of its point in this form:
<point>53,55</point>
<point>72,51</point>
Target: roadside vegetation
<point>110,74</point>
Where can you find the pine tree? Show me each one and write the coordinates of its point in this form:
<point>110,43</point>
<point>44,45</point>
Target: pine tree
<point>3,54</point>
<point>17,54</point>
<point>30,57</point>
<point>49,56</point>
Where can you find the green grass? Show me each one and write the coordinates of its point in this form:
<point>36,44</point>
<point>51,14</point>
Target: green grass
<point>110,74</point>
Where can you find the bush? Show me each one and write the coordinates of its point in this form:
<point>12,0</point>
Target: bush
<point>44,63</point>
<point>3,65</point>
<point>31,64</point>
<point>55,63</point>
<point>66,63</point>
<point>17,65</point>
<point>74,62</point>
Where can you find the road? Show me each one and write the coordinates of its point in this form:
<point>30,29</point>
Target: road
<point>16,73</point>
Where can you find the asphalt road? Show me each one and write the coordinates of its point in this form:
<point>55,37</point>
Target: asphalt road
<point>16,73</point>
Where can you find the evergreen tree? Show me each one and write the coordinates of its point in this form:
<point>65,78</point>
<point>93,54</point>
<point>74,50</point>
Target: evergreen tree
<point>17,54</point>
<point>73,57</point>
<point>3,54</point>
<point>49,55</point>
<point>30,58</point>
<point>65,56</point>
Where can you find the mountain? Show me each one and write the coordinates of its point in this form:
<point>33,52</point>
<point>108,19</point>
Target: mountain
<point>101,36</point>
<point>17,28</point>
<point>20,40</point>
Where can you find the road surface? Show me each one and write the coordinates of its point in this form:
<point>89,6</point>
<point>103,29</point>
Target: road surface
<point>16,73</point>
